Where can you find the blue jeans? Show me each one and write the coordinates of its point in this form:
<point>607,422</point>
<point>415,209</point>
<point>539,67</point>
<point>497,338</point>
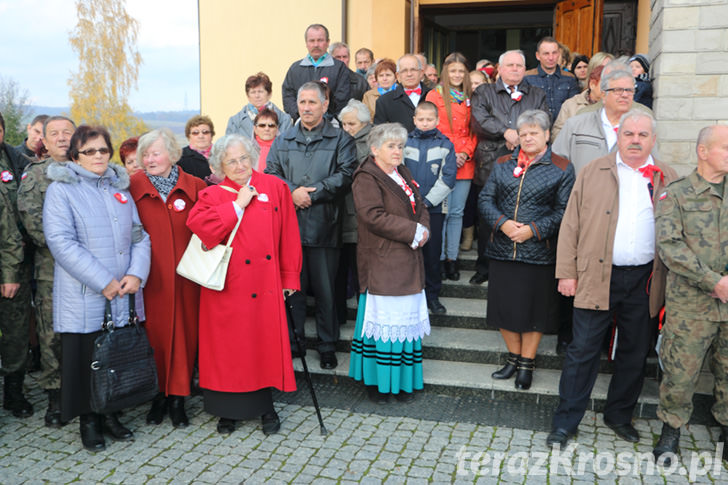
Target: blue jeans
<point>453,226</point>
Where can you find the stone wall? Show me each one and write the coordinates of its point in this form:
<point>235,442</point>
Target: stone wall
<point>689,52</point>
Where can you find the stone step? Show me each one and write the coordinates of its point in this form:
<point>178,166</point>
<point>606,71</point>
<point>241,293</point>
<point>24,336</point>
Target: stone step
<point>473,346</point>
<point>467,259</point>
<point>448,377</point>
<point>462,287</point>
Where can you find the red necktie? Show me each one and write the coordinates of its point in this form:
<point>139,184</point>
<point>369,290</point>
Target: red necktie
<point>417,90</point>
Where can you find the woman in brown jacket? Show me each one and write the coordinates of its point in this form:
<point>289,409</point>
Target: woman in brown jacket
<point>393,225</point>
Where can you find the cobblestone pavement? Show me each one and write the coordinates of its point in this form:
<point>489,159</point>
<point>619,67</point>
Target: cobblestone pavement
<point>361,447</point>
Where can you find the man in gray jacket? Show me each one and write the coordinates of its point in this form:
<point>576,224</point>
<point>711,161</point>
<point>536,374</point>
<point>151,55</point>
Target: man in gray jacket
<point>318,65</point>
<point>317,162</point>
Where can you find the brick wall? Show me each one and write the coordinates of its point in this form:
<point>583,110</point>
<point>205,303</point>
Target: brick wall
<point>689,52</point>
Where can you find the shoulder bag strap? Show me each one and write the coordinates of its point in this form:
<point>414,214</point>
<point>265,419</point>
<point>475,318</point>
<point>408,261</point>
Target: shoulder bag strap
<point>108,319</point>
<point>235,230</point>
<point>133,319</point>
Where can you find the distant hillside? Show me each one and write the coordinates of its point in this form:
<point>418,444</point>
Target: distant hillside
<point>174,120</point>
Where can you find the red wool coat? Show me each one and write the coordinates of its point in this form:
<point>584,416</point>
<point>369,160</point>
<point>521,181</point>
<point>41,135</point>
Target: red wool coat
<point>171,302</point>
<point>244,342</point>
<point>460,135</point>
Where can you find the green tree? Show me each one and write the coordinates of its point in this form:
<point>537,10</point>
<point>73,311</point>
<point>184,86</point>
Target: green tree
<point>105,40</point>
<point>15,108</point>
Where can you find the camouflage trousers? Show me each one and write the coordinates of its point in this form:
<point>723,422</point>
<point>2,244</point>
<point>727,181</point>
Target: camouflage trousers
<point>15,328</point>
<point>50,341</point>
<point>685,343</point>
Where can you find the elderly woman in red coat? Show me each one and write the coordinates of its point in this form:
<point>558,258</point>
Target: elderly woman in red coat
<point>164,195</point>
<point>244,343</point>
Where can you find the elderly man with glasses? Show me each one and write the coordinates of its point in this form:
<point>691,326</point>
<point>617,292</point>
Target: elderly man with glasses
<point>398,105</point>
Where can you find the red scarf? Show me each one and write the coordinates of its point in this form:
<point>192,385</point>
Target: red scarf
<point>205,153</point>
<point>649,171</point>
<point>264,149</point>
<point>524,161</point>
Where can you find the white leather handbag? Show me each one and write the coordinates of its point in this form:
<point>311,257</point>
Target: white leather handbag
<point>207,267</point>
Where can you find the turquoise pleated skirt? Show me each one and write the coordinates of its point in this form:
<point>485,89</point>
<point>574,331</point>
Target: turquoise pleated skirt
<point>393,367</point>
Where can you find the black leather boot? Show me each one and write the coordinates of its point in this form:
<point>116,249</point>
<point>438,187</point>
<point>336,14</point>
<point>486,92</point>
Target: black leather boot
<point>92,435</point>
<point>117,430</point>
<point>13,398</point>
<point>724,440</point>
<point>53,413</point>
<point>159,409</point>
<point>176,405</point>
<point>668,443</point>
<point>525,373</point>
<point>451,270</point>
<point>509,369</point>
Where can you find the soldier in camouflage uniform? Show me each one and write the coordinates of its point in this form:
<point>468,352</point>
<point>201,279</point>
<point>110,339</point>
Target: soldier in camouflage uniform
<point>14,285</point>
<point>693,242</point>
<point>57,132</point>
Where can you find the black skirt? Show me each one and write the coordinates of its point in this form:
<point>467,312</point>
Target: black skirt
<point>522,297</point>
<point>76,351</point>
<point>239,405</point>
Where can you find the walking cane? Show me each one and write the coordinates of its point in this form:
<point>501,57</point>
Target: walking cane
<point>289,315</point>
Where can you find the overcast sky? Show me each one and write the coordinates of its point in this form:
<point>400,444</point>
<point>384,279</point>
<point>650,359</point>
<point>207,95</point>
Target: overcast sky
<point>35,52</point>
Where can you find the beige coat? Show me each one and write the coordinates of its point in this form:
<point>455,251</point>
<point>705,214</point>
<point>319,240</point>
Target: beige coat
<point>570,107</point>
<point>370,100</point>
<point>586,236</point>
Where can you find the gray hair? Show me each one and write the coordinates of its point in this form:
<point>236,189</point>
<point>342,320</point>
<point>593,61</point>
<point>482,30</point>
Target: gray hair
<point>312,86</point>
<point>419,63</point>
<point>372,70</point>
<point>534,117</point>
<point>170,143</point>
<point>705,135</point>
<point>636,114</point>
<point>613,71</point>
<point>221,146</point>
<point>361,110</point>
<point>385,132</point>
<point>51,119</point>
<point>316,27</point>
<point>516,51</point>
<point>337,45</point>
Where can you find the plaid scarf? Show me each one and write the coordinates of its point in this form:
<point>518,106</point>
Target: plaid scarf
<point>164,185</point>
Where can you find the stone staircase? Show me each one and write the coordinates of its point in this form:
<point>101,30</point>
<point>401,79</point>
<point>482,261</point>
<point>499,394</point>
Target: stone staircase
<point>462,351</point>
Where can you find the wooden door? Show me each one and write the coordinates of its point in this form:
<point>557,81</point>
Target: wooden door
<point>619,27</point>
<point>578,24</point>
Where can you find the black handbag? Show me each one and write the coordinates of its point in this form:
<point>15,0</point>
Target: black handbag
<point>123,371</point>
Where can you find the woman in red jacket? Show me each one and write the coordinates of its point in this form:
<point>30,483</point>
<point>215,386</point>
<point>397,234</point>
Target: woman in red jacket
<point>164,195</point>
<point>244,342</point>
<point>452,98</point>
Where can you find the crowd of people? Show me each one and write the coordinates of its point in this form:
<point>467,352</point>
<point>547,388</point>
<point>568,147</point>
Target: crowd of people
<point>369,182</point>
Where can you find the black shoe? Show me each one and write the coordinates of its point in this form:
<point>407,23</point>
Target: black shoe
<point>724,439</point>
<point>525,373</point>
<point>405,396</point>
<point>176,408</point>
<point>559,436</point>
<point>53,413</point>
<point>668,443</point>
<point>13,398</point>
<point>625,431</point>
<point>328,360</point>
<point>92,435</point>
<point>225,426</point>
<point>436,308</point>
<point>478,279</point>
<point>451,270</point>
<point>507,371</point>
<point>117,430</point>
<point>271,423</point>
<point>159,409</point>
<point>561,347</point>
<point>375,396</point>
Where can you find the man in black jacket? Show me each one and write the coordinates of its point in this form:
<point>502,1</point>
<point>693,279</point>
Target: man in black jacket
<point>318,65</point>
<point>317,162</point>
<point>398,105</point>
<point>357,84</point>
<point>495,110</point>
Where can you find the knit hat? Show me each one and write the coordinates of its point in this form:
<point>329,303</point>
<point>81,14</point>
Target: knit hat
<point>642,59</point>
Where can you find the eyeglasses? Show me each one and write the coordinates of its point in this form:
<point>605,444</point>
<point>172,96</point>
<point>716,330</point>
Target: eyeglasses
<point>90,152</point>
<point>198,132</point>
<point>620,91</point>
<point>244,160</point>
<point>266,125</point>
